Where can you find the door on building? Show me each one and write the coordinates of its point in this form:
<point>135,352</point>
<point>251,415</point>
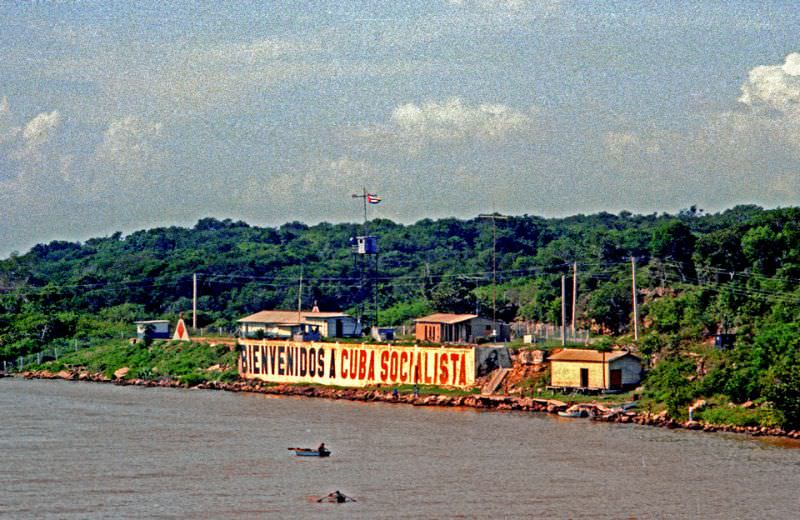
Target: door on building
<point>584,378</point>
<point>616,379</point>
<point>339,329</point>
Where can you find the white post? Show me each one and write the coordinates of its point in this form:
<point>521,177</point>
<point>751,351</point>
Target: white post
<point>563,312</point>
<point>574,294</point>
<point>635,305</point>
<point>194,301</point>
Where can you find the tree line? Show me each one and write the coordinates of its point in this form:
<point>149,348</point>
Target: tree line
<point>699,274</point>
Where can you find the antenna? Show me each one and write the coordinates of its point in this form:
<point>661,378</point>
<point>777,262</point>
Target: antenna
<point>494,217</point>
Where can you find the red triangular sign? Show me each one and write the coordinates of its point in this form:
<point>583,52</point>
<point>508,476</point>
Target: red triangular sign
<point>181,332</point>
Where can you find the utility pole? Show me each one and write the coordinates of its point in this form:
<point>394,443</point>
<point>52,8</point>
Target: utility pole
<point>494,217</point>
<point>194,301</point>
<point>574,294</point>
<point>300,295</point>
<point>635,304</point>
<point>363,197</point>
<point>563,312</point>
<point>368,250</point>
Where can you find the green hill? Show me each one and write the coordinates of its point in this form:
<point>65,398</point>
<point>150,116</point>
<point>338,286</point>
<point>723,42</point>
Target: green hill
<point>698,274</point>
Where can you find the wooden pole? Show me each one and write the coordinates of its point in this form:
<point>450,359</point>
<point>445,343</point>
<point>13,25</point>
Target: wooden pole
<point>494,274</point>
<point>635,304</point>
<point>494,218</point>
<point>194,301</point>
<point>300,294</point>
<point>563,312</point>
<point>574,294</point>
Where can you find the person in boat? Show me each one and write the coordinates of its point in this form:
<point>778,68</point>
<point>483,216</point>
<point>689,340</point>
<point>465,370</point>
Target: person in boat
<point>338,497</point>
<point>322,449</point>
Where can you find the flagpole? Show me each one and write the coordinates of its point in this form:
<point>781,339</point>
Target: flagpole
<point>364,196</point>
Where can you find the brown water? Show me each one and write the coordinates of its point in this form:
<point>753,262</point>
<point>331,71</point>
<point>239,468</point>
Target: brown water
<point>82,450</point>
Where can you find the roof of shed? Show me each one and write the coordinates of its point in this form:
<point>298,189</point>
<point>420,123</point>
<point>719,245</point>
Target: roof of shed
<point>289,317</point>
<point>588,355</point>
<point>449,319</point>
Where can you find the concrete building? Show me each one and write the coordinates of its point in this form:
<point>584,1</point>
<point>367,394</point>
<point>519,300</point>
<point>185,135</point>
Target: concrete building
<point>584,369</point>
<point>159,329</point>
<point>458,328</point>
<point>312,325</point>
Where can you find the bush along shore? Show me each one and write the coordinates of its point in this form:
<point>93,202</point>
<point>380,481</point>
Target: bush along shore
<point>427,396</point>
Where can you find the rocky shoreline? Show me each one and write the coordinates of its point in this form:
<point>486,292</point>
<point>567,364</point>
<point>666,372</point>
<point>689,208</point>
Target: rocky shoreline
<point>484,402</point>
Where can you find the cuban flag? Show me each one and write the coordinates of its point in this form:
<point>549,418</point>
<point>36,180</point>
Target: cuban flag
<point>372,198</point>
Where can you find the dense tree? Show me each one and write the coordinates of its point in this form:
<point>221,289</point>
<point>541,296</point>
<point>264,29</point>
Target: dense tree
<point>698,274</point>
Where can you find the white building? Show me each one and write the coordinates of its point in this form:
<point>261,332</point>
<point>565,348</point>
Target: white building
<point>159,329</point>
<point>310,324</point>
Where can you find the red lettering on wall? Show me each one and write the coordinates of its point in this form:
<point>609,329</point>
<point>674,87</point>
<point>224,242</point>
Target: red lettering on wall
<point>453,364</point>
<point>353,364</point>
<point>362,364</point>
<point>462,376</point>
<point>443,373</point>
<point>403,372</point>
<point>371,366</point>
<point>393,362</point>
<point>345,356</point>
<point>384,365</point>
<point>426,378</point>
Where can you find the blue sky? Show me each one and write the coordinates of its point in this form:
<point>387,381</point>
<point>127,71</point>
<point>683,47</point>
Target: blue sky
<point>121,115</point>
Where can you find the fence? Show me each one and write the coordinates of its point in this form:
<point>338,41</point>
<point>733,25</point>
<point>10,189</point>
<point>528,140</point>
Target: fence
<point>537,332</point>
<point>48,354</point>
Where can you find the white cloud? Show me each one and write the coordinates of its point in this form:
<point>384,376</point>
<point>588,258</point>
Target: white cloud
<point>129,142</point>
<point>455,120</point>
<point>621,144</point>
<point>39,128</point>
<point>508,10</point>
<point>319,181</point>
<point>774,86</point>
<point>36,134</point>
<point>8,130</point>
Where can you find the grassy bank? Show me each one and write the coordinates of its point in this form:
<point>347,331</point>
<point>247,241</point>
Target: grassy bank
<point>190,363</point>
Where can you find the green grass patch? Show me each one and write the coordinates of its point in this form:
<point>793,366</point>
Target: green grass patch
<point>172,359</point>
<point>738,416</point>
<point>434,390</point>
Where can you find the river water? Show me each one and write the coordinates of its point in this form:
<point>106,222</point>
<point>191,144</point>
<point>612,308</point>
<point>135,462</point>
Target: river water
<point>83,450</point>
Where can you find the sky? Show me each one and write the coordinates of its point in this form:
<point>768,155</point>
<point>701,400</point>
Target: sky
<point>119,116</point>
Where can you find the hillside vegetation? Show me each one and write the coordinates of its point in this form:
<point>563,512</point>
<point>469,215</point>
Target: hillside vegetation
<point>698,274</point>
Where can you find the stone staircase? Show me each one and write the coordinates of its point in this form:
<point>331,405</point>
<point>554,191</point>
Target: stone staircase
<point>495,381</point>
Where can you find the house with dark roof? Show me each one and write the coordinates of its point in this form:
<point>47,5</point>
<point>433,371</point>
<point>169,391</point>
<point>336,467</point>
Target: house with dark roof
<point>293,324</point>
<point>442,327</point>
<point>586,369</point>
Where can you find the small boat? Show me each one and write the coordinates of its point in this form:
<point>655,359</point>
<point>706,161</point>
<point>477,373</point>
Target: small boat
<point>578,411</point>
<point>337,497</point>
<point>309,452</point>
